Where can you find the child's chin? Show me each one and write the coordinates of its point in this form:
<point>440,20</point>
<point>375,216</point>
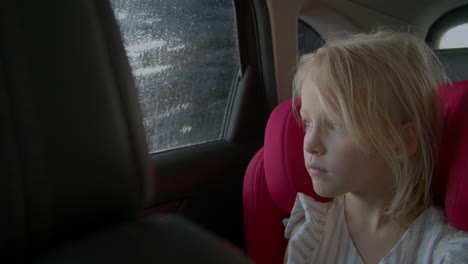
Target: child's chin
<point>324,192</point>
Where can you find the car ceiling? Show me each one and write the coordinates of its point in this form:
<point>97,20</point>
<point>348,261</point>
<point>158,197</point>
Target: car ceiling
<point>327,17</point>
<point>421,13</point>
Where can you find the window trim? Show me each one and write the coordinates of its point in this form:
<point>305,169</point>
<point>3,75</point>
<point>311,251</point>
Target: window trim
<point>447,21</point>
<point>322,40</point>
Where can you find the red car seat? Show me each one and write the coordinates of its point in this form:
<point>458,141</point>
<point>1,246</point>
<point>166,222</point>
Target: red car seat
<point>277,172</point>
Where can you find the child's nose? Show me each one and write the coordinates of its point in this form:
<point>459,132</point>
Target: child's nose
<point>313,143</point>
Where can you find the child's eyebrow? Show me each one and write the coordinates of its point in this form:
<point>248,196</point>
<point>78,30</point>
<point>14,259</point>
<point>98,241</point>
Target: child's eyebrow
<point>304,113</point>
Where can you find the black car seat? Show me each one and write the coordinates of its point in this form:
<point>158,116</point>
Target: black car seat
<point>74,169</point>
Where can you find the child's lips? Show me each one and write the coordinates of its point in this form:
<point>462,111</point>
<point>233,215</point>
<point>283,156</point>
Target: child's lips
<point>316,171</point>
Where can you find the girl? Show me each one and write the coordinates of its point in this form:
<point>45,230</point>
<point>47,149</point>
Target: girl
<point>368,105</point>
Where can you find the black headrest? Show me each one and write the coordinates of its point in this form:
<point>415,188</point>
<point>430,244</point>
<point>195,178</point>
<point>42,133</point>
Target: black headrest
<point>72,146</point>
<point>455,62</point>
<point>154,239</point>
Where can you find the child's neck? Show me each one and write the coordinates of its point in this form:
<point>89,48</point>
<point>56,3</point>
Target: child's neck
<point>370,211</point>
<point>373,233</point>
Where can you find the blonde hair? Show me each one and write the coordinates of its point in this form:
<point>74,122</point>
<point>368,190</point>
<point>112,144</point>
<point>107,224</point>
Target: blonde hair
<point>377,82</point>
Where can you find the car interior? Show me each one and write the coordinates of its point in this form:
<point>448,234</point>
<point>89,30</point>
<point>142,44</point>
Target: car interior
<point>80,182</point>
<point>275,174</point>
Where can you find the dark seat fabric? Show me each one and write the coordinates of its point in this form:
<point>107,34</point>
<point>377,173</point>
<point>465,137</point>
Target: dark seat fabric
<point>74,145</point>
<point>455,62</point>
<point>73,155</point>
<point>155,239</point>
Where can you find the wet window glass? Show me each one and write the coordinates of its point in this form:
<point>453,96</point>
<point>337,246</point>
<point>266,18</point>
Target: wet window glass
<point>184,58</point>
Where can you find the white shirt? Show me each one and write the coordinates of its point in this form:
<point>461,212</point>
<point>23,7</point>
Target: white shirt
<point>324,237</point>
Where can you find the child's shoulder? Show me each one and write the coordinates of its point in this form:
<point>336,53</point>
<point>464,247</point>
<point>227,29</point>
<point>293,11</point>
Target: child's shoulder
<point>309,204</point>
<point>451,244</point>
<point>307,208</point>
<point>307,225</point>
<point>452,248</point>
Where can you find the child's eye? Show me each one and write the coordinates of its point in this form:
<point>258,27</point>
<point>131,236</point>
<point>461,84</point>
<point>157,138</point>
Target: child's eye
<point>334,126</point>
<point>308,124</point>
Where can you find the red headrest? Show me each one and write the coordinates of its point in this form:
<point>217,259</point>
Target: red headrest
<point>285,171</point>
<point>450,181</point>
<point>286,174</point>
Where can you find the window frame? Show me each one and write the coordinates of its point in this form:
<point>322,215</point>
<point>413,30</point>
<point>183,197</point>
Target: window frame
<point>322,41</point>
<point>444,23</point>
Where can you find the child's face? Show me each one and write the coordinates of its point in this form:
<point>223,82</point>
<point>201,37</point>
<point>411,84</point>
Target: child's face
<point>333,161</point>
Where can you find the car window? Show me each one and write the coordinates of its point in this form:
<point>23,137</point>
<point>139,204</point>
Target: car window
<point>455,37</point>
<point>308,40</point>
<point>184,58</point>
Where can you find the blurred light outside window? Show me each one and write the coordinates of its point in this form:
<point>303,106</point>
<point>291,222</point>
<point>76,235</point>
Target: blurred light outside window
<point>184,59</point>
<point>456,37</point>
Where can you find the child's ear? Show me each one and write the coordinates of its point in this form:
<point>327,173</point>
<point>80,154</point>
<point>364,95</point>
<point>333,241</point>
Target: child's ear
<point>410,135</point>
